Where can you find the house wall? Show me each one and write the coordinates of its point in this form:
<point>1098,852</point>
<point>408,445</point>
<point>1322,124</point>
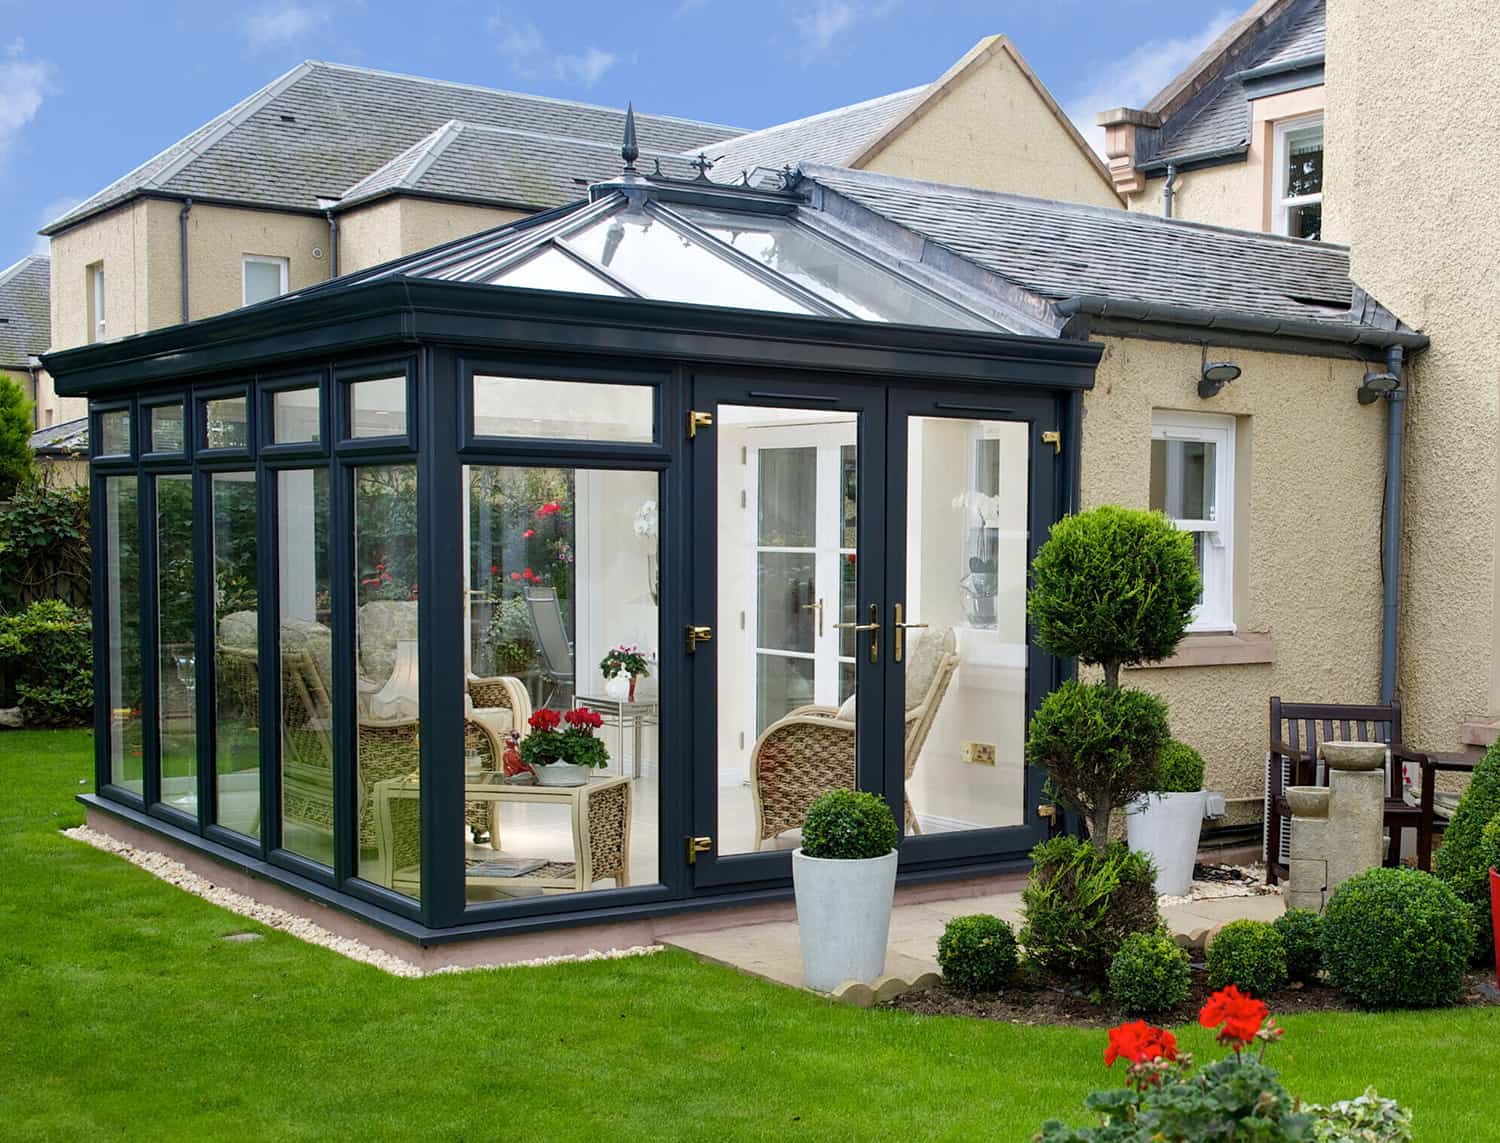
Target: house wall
<point>1410,185</point>
<point>218,239</point>
<point>992,129</point>
<point>392,227</point>
<point>119,239</point>
<point>1308,478</point>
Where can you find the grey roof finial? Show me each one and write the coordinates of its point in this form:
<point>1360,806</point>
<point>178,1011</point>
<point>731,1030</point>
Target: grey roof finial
<point>628,150</point>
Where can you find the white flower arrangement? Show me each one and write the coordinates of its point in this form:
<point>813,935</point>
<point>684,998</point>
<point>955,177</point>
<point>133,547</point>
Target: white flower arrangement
<point>987,508</point>
<point>645,520</point>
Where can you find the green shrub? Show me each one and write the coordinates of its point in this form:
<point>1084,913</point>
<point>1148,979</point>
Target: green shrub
<point>1080,903</point>
<point>1299,929</point>
<point>845,825</point>
<point>17,459</point>
<point>1149,974</point>
<point>977,953</point>
<point>1460,860</point>
<point>1365,1119</point>
<point>1098,745</point>
<point>44,546</point>
<point>1250,955</point>
<point>47,654</point>
<point>1397,938</point>
<point>1179,769</point>
<point>1490,844</point>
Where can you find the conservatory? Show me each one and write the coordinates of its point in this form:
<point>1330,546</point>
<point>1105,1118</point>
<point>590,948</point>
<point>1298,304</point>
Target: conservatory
<point>549,575</point>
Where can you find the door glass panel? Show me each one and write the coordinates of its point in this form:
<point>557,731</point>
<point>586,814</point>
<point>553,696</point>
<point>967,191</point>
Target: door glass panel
<point>177,667</point>
<point>236,654</point>
<point>965,674</point>
<point>122,591</point>
<point>787,574</point>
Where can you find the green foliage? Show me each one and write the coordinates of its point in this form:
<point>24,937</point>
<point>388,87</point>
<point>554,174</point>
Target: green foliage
<point>1460,860</point>
<point>1489,846</point>
<point>1397,938</point>
<point>1365,1119</point>
<point>977,953</point>
<point>1299,929</point>
<point>17,460</point>
<point>1080,903</point>
<point>509,636</point>
<point>1098,745</point>
<point>47,654</point>
<point>1250,955</point>
<point>1149,974</point>
<point>44,545</point>
<point>848,825</point>
<point>1179,769</point>
<point>1113,586</point>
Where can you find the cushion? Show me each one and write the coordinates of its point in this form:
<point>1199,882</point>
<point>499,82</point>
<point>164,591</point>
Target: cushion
<point>846,709</point>
<point>383,624</point>
<point>923,660</point>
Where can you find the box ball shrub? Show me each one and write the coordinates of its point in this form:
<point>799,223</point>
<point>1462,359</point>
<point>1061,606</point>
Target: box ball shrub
<point>977,953</point>
<point>1250,955</point>
<point>1397,938</point>
<point>1460,860</point>
<point>1299,929</point>
<point>847,825</point>
<point>1080,903</point>
<point>1149,974</point>
<point>1179,769</point>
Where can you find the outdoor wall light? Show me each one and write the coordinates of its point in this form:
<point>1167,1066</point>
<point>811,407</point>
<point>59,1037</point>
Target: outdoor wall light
<point>1216,374</point>
<point>1376,386</point>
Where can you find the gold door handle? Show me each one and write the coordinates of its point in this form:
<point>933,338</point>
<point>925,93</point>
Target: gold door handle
<point>901,630</point>
<point>873,627</point>
<point>818,607</point>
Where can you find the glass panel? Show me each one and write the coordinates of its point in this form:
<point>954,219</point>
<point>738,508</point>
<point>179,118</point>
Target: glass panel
<point>966,564</point>
<point>123,572</point>
<point>388,797</point>
<point>787,573</point>
<point>1305,221</point>
<point>177,679</point>
<point>1304,162</point>
<point>658,262</point>
<point>225,424</point>
<point>295,415</point>
<point>305,585</point>
<point>236,654</point>
<point>562,410</point>
<point>563,584</point>
<point>114,433</point>
<point>554,270</point>
<point>263,279</point>
<point>378,408</point>
<point>850,282</point>
<point>167,433</point>
<point>1182,479</point>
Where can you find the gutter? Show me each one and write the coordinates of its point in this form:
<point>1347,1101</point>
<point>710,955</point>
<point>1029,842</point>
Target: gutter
<point>182,227</point>
<point>1298,64</point>
<point>1390,555</point>
<point>1198,158</point>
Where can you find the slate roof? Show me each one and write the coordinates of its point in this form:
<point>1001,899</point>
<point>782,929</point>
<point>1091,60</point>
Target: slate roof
<point>25,310</point>
<point>321,128</point>
<point>66,438</point>
<point>1063,250</point>
<point>1218,118</point>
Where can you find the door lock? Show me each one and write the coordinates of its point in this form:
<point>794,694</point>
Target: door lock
<point>696,635</point>
<point>873,627</point>
<point>697,845</point>
<point>901,630</point>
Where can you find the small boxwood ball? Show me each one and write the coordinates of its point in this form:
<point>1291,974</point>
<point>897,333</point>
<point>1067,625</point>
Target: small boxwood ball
<point>1179,769</point>
<point>1149,974</point>
<point>1299,930</point>
<point>1397,938</point>
<point>977,953</point>
<point>848,825</point>
<point>1250,955</point>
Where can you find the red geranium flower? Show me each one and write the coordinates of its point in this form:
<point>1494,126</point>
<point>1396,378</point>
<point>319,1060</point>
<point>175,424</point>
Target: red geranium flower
<point>544,719</point>
<point>526,535</point>
<point>550,508</point>
<point>1240,1015</point>
<point>494,569</point>
<point>1140,1043</point>
<point>515,576</point>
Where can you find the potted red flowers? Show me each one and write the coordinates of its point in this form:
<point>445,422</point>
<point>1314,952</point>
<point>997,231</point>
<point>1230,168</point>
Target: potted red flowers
<point>563,755</point>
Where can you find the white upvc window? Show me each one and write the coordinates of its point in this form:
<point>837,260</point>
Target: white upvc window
<point>1192,481</point>
<point>263,278</point>
<point>96,302</point>
<point>1297,206</point>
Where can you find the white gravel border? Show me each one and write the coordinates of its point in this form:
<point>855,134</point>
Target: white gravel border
<point>175,873</point>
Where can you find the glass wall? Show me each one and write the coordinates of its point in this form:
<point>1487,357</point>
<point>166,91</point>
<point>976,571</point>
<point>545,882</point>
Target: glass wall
<point>122,591</point>
<point>236,653</point>
<point>304,586</point>
<point>177,658</point>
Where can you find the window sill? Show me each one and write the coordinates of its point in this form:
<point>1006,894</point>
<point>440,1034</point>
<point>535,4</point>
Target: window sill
<point>1209,649</point>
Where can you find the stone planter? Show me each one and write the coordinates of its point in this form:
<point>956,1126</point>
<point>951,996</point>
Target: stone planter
<point>843,917</point>
<point>1308,801</point>
<point>562,774</point>
<point>1165,827</point>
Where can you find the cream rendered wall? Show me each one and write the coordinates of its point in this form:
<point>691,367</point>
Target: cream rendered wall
<point>1411,187</point>
<point>370,235</point>
<point>992,129</point>
<point>118,239</point>
<point>1309,472</point>
<point>218,239</point>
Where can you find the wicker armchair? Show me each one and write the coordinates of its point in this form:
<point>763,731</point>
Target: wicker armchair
<point>811,750</point>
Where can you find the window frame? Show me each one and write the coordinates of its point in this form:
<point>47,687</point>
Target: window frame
<point>1282,205</point>
<point>1216,611</point>
<point>283,264</point>
<point>98,325</point>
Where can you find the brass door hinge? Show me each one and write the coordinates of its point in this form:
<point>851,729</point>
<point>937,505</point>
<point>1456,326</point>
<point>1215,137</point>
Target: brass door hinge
<point>697,420</point>
<point>1054,438</point>
<point>697,845</point>
<point>696,635</point>
<point>1048,812</point>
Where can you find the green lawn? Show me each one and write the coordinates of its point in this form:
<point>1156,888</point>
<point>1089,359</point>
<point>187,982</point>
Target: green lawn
<point>125,1015</point>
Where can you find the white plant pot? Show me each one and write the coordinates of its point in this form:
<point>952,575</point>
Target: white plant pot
<point>617,688</point>
<point>843,917</point>
<point>562,774</point>
<point>1165,827</point>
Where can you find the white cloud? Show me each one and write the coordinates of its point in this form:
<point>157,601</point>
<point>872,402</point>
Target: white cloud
<point>822,26</point>
<point>523,45</point>
<point>587,67</point>
<point>1132,81</point>
<point>519,43</point>
<point>51,212</point>
<point>274,24</point>
<point>27,81</point>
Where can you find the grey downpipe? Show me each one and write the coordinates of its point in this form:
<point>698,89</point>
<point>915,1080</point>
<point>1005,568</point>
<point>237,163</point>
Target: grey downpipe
<point>333,244</point>
<point>1166,190</point>
<point>1390,561</point>
<point>182,221</point>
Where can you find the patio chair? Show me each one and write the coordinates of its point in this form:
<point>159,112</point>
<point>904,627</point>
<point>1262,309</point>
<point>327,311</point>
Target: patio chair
<point>553,645</point>
<point>811,749</point>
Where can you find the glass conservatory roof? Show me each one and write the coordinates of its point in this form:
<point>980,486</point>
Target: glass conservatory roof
<point>627,247</point>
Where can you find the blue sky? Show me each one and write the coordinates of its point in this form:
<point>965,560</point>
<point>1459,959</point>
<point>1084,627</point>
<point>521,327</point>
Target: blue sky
<point>88,91</point>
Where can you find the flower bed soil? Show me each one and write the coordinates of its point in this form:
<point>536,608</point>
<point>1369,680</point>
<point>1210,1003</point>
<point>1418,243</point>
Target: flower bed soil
<point>1054,1002</point>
